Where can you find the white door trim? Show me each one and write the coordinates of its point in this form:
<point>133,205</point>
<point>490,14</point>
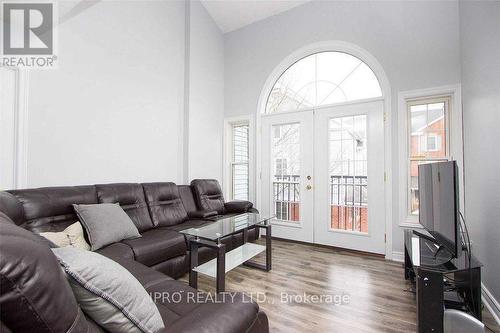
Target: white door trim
<point>377,68</point>
<point>20,130</point>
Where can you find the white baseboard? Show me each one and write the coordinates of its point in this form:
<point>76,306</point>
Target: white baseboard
<point>398,256</point>
<point>491,303</point>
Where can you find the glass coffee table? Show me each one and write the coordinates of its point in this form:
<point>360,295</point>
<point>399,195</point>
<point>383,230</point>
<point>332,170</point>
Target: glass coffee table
<point>210,236</point>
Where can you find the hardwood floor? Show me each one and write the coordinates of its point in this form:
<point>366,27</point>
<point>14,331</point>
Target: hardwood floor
<point>377,294</point>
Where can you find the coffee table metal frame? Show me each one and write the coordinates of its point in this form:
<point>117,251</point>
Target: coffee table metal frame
<point>196,243</point>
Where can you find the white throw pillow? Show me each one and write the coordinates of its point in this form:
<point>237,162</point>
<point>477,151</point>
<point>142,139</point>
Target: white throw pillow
<point>71,236</point>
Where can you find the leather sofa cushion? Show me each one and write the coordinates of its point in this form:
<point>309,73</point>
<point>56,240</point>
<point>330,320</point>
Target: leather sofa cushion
<point>203,214</point>
<point>145,275</point>
<point>172,311</point>
<point>50,208</point>
<point>208,195</point>
<point>117,251</point>
<point>233,315</point>
<point>164,204</point>
<point>238,206</point>
<point>188,224</point>
<point>174,267</point>
<point>157,245</point>
<point>187,197</point>
<point>11,207</point>
<point>131,199</point>
<point>29,274</point>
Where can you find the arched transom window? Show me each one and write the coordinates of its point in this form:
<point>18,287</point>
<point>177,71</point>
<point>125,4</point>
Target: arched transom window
<point>321,79</point>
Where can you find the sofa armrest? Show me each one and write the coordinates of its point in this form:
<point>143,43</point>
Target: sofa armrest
<point>253,210</point>
<point>202,214</point>
<point>238,206</point>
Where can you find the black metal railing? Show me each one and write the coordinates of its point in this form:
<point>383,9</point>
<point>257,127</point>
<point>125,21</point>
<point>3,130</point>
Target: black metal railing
<point>286,197</point>
<point>348,200</point>
<point>349,203</point>
<point>349,191</point>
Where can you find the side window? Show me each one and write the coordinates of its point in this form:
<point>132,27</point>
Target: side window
<point>428,139</point>
<point>239,161</point>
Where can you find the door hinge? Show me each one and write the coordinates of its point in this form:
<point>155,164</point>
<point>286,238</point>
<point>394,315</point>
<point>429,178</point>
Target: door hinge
<point>385,238</point>
<point>385,117</point>
<point>385,176</point>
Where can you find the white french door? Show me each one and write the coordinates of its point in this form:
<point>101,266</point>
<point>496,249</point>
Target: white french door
<point>323,175</point>
<point>349,177</point>
<point>287,160</point>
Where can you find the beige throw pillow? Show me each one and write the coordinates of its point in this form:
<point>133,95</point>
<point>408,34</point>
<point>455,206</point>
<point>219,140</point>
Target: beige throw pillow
<point>71,236</point>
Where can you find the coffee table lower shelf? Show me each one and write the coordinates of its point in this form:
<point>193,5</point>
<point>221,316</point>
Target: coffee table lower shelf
<point>234,258</point>
<point>224,262</point>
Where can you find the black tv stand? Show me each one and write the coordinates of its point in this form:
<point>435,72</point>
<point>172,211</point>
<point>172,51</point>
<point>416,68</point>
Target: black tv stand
<point>440,282</point>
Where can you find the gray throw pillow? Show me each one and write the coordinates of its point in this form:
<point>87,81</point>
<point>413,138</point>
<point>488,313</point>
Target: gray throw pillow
<point>105,224</point>
<point>108,293</point>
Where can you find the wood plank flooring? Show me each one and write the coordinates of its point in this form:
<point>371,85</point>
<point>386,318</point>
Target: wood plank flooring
<point>379,300</point>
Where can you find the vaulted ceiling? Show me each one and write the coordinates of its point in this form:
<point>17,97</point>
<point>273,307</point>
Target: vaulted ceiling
<point>234,14</point>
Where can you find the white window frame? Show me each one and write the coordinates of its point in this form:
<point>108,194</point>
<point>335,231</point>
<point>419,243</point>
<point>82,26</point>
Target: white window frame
<point>229,123</point>
<point>422,101</point>
<point>454,142</point>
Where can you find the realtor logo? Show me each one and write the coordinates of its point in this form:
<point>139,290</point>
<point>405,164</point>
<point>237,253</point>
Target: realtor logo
<point>28,34</point>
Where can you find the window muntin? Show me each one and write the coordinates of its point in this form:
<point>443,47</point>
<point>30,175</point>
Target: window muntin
<point>428,140</point>
<point>239,162</point>
<point>321,79</point>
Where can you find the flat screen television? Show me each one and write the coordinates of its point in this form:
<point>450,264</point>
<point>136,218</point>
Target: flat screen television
<point>438,204</point>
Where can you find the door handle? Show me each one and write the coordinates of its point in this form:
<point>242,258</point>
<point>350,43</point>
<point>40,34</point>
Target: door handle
<point>308,187</point>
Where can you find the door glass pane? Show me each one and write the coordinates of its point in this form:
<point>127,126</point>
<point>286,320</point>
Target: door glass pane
<point>348,175</point>
<point>285,157</point>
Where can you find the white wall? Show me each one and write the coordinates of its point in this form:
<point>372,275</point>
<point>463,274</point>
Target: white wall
<point>206,95</point>
<point>480,45</point>
<point>111,111</point>
<point>417,44</point>
<point>118,107</point>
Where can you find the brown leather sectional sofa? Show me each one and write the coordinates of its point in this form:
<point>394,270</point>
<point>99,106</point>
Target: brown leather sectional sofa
<point>160,211</point>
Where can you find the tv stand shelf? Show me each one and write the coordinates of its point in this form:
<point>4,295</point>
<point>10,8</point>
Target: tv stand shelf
<point>437,277</point>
